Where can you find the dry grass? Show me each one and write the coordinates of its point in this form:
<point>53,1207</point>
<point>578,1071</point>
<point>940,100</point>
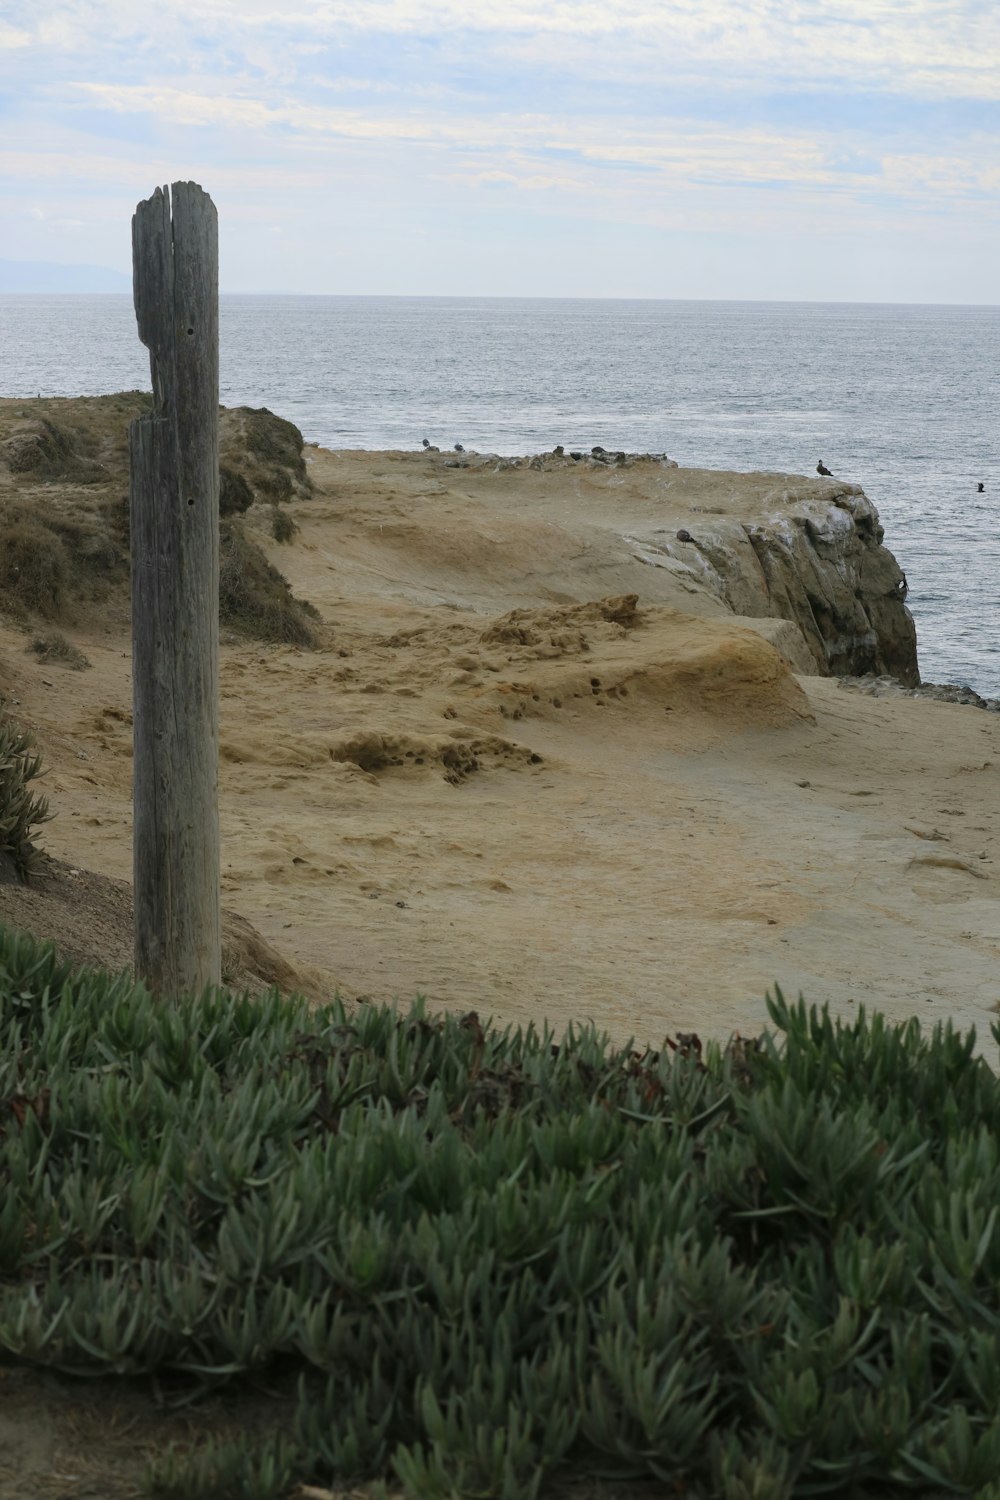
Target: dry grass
<point>55,554</point>
<point>34,570</point>
<point>266,451</point>
<point>283,528</point>
<point>275,440</point>
<point>54,647</point>
<point>254,598</point>
<point>235,495</point>
<point>64,514</point>
<point>41,448</point>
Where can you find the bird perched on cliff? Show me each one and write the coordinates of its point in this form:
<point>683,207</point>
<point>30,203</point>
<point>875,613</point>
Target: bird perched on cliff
<point>821,468</point>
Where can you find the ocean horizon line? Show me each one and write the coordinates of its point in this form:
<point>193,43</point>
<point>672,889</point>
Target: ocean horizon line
<point>479,297</point>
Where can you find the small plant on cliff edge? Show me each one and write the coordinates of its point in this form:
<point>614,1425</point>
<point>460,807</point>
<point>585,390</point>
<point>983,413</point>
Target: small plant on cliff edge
<point>20,808</point>
<point>54,647</point>
<point>283,528</point>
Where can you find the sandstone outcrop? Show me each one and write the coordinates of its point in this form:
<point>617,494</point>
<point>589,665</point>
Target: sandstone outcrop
<point>808,553</point>
<point>765,547</point>
<point>821,564</point>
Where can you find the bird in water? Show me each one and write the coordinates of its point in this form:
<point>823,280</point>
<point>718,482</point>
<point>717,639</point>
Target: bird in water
<point>821,468</point>
<point>980,488</point>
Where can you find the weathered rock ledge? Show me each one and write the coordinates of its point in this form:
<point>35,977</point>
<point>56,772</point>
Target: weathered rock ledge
<point>820,563</point>
<point>935,692</point>
<point>765,546</point>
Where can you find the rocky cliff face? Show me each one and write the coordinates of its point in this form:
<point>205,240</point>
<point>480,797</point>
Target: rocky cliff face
<point>818,561</point>
<point>803,554</point>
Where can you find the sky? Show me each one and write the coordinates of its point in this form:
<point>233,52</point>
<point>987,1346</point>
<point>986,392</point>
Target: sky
<point>830,150</point>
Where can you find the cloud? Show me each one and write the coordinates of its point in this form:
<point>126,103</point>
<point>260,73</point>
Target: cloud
<point>13,36</point>
<point>926,48</point>
<point>523,181</point>
<point>672,151</point>
<point>817,116</point>
<point>141,172</point>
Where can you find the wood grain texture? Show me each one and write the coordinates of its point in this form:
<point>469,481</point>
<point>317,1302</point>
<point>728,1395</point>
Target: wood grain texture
<point>174,505</point>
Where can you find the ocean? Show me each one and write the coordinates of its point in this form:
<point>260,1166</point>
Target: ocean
<point>903,400</point>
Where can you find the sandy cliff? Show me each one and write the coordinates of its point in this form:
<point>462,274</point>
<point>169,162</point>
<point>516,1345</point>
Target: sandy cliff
<point>553,759</point>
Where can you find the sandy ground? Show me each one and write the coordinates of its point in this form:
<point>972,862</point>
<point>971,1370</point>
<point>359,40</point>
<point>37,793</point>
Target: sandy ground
<point>505,784</point>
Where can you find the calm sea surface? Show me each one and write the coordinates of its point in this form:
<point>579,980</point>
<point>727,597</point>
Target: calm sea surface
<point>902,400</point>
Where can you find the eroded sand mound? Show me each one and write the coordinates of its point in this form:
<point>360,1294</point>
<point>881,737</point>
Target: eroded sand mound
<point>610,650</point>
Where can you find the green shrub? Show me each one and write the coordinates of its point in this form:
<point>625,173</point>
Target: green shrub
<point>21,809</point>
<point>485,1259</point>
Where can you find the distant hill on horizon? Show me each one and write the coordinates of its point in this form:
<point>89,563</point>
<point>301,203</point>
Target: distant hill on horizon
<point>53,276</point>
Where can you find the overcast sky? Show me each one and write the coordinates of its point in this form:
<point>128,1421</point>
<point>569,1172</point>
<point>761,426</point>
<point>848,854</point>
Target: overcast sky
<point>813,149</point>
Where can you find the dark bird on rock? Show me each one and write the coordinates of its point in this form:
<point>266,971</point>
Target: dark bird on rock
<point>980,488</point>
<point>426,442</point>
<point>821,468</point>
<point>459,448</point>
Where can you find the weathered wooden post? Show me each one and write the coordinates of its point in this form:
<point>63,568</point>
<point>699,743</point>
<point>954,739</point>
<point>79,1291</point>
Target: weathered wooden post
<point>174,504</point>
